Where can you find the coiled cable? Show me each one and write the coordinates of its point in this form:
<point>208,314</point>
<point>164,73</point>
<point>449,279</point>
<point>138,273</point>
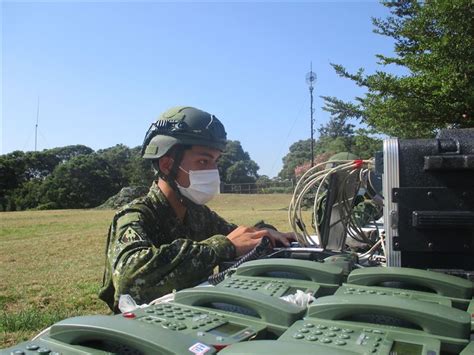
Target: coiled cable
<point>262,249</point>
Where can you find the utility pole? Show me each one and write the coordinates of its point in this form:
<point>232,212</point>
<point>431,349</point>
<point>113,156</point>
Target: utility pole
<point>310,79</point>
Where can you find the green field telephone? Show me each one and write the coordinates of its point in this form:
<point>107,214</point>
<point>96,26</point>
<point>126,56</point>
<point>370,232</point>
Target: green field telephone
<point>347,325</point>
<point>101,335</point>
<point>293,269</point>
<point>220,317</point>
<point>415,279</point>
<point>349,289</point>
<point>275,314</point>
<point>281,277</point>
<point>398,317</point>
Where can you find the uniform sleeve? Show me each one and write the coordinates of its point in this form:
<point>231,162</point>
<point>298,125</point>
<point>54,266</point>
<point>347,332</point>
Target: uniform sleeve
<point>146,272</point>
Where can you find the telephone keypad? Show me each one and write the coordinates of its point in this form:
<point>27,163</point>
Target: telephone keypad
<point>271,287</point>
<point>34,348</point>
<point>367,340</point>
<point>345,289</point>
<point>205,324</point>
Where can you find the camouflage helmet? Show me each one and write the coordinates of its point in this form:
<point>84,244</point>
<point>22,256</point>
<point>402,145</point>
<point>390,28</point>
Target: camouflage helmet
<point>183,125</point>
<point>338,157</point>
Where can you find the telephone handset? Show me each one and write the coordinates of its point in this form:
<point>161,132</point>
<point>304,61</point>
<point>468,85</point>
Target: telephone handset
<point>268,309</point>
<point>329,329</point>
<point>442,284</point>
<point>348,289</point>
<point>432,318</point>
<point>293,269</point>
<point>111,334</point>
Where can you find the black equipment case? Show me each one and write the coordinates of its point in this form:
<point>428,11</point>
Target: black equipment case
<point>428,188</point>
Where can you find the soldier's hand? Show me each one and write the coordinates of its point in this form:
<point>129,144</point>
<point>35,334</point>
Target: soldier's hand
<point>279,238</point>
<point>246,238</point>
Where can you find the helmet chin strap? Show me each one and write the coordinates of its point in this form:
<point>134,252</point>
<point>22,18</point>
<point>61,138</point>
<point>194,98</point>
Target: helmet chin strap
<point>171,177</point>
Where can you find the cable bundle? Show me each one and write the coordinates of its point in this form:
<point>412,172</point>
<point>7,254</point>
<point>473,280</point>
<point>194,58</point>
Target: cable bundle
<point>317,179</point>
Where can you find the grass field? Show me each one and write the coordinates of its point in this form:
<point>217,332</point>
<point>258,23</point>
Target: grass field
<point>51,262</point>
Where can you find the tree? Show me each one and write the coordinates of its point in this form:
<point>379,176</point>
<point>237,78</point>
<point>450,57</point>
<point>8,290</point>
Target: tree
<point>28,196</point>
<point>66,153</point>
<point>141,171</point>
<point>337,125</point>
<point>24,173</point>
<point>300,153</point>
<point>333,145</point>
<point>235,165</point>
<point>120,157</point>
<point>434,42</point>
<point>364,145</point>
<point>335,137</point>
<point>8,183</point>
<point>242,172</point>
<point>83,182</point>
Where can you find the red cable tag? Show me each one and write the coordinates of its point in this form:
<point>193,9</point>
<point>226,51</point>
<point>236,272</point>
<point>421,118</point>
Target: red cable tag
<point>358,163</point>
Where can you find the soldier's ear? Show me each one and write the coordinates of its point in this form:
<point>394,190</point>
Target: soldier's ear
<point>165,164</point>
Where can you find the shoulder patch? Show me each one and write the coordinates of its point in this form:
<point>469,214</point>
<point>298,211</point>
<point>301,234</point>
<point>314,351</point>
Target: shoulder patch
<point>130,235</point>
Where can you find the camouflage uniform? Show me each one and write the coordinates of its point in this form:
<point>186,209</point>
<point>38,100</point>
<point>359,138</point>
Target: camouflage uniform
<point>150,252</point>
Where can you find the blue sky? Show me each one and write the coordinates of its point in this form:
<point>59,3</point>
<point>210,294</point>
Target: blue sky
<point>103,71</point>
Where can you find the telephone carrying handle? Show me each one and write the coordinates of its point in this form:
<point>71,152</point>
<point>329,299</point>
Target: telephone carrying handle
<point>308,270</point>
<point>140,336</point>
<point>433,318</point>
<point>442,284</point>
<point>269,309</point>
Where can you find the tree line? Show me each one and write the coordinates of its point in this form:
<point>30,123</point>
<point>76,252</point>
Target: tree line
<point>76,176</point>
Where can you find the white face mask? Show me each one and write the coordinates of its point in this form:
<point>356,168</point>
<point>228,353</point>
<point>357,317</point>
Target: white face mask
<point>204,185</point>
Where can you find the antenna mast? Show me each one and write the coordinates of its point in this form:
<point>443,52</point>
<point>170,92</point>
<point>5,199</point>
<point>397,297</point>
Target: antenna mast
<point>310,78</point>
<point>37,119</point>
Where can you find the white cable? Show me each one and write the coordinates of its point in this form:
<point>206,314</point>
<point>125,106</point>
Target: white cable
<point>318,180</point>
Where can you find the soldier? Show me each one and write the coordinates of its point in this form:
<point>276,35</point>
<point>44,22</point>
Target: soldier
<point>169,239</point>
